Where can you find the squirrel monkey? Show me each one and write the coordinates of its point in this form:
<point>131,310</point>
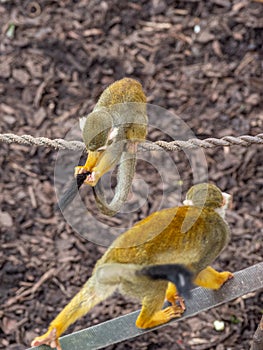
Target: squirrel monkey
<point>111,133</point>
<point>158,258</point>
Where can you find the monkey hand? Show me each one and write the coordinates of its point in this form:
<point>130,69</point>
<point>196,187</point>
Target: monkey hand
<point>91,178</point>
<point>49,338</point>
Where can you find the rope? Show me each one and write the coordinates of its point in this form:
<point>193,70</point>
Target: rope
<point>29,140</point>
<point>245,140</point>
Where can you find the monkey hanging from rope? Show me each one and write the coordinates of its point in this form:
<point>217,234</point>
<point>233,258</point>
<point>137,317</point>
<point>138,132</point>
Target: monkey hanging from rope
<point>111,133</point>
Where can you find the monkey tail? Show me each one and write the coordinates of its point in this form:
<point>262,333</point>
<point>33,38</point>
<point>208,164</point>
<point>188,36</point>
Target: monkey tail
<point>114,273</point>
<point>178,274</point>
<point>124,182</point>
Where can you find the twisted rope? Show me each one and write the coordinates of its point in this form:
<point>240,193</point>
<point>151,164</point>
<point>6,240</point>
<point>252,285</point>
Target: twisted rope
<point>245,140</point>
<point>42,141</point>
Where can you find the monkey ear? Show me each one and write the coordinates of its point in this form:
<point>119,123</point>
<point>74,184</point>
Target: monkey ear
<point>97,127</point>
<point>227,200</point>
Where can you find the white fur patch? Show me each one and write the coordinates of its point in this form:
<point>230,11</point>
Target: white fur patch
<point>181,279</point>
<point>82,122</point>
<point>226,203</point>
<point>188,202</point>
<point>113,133</point>
<point>227,199</point>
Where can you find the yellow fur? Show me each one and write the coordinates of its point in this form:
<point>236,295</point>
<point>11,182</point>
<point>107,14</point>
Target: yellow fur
<point>123,106</point>
<point>156,240</point>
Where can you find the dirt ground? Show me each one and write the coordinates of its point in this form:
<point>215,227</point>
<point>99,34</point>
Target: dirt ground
<point>199,59</point>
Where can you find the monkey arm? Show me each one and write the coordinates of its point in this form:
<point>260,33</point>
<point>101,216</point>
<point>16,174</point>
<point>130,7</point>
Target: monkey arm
<point>100,162</point>
<point>210,278</point>
<point>146,283</point>
<point>149,284</point>
<point>101,285</point>
<point>172,296</point>
<point>90,174</point>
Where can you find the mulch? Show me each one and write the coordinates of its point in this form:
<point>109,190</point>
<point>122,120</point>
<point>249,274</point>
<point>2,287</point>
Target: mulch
<point>199,60</point>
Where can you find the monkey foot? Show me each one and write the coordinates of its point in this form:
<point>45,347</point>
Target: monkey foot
<point>159,317</point>
<point>173,297</point>
<point>226,275</point>
<point>174,311</point>
<point>177,301</point>
<point>49,338</point>
<point>170,313</point>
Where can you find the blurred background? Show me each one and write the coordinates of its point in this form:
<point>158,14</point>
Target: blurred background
<point>199,60</point>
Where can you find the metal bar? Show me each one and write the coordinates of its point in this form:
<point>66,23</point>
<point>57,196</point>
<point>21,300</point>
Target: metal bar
<point>123,327</point>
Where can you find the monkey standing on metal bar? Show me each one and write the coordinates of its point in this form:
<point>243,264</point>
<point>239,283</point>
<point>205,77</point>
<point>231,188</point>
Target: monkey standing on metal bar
<point>158,258</point>
<point>111,133</point>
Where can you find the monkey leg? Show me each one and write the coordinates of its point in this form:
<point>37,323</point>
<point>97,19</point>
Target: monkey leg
<point>91,294</point>
<point>50,338</point>
<point>172,296</point>
<point>152,314</point>
<point>152,293</point>
<point>210,278</point>
<point>115,273</point>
